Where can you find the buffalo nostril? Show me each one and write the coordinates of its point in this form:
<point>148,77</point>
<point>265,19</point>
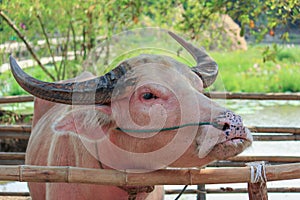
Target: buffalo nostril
<point>225,126</point>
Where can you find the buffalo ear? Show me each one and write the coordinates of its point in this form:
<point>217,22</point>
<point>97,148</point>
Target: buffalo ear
<point>106,109</point>
<point>86,121</point>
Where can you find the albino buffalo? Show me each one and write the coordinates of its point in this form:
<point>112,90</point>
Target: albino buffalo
<point>146,114</point>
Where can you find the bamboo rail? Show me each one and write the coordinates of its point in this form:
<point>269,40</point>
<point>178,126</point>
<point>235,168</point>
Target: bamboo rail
<point>16,99</point>
<point>15,131</point>
<point>254,96</point>
<point>23,132</point>
<point>12,156</point>
<point>214,95</point>
<point>276,137</point>
<point>15,194</point>
<point>273,159</point>
<point>26,135</point>
<point>264,129</point>
<point>190,191</point>
<point>68,174</point>
<point>15,128</point>
<point>231,190</point>
<point>162,177</point>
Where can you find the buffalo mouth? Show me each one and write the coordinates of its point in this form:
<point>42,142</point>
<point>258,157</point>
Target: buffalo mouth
<point>225,137</point>
<point>232,146</point>
<point>245,138</point>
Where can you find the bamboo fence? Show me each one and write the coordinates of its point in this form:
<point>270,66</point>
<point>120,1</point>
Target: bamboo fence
<point>226,190</point>
<point>276,133</point>
<point>68,174</point>
<point>214,95</point>
<point>221,190</point>
<point>234,166</point>
<point>242,159</point>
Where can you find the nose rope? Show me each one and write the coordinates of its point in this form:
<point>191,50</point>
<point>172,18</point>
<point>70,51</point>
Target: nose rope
<point>218,126</point>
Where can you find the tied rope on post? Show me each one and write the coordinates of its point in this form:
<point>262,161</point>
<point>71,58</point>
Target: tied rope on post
<point>257,188</point>
<point>258,171</point>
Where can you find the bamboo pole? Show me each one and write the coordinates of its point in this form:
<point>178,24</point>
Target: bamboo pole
<point>70,174</point>
<point>286,159</point>
<point>15,131</point>
<point>264,129</point>
<point>15,128</point>
<point>214,95</point>
<point>254,96</point>
<point>256,129</point>
<point>16,99</point>
<point>26,135</point>
<point>192,191</point>
<point>15,194</point>
<point>14,135</point>
<point>12,156</point>
<point>243,159</point>
<point>276,137</point>
<point>231,190</point>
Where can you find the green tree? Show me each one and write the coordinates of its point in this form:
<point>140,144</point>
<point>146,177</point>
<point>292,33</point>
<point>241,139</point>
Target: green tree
<point>77,25</point>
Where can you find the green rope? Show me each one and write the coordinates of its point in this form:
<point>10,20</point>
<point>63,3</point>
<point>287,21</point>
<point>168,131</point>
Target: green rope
<point>167,129</point>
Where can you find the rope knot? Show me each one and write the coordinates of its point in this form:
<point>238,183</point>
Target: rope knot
<point>258,171</point>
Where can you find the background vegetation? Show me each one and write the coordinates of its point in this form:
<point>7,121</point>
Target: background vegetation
<point>75,27</point>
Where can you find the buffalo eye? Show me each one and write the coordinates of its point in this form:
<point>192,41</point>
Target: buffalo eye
<point>149,95</point>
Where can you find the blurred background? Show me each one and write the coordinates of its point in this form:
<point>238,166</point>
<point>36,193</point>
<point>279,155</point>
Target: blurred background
<point>255,42</point>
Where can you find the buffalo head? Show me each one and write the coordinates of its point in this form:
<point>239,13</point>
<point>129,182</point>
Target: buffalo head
<point>147,113</point>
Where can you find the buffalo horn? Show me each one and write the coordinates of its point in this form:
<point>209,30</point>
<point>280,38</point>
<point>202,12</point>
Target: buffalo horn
<point>93,91</point>
<point>207,68</point>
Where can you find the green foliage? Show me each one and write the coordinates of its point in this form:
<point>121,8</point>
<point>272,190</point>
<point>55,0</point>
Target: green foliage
<point>77,26</point>
<point>247,72</point>
<point>240,71</point>
<point>9,86</point>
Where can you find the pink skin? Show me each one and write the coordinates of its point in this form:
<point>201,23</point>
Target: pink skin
<point>61,136</point>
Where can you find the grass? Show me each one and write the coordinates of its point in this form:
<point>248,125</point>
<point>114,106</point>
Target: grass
<point>9,87</point>
<point>245,71</point>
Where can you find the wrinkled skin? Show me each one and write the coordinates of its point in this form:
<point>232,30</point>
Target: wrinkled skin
<point>83,136</point>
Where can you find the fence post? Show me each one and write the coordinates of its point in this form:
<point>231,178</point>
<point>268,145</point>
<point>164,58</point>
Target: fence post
<point>257,188</point>
<point>257,191</point>
<point>201,196</point>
